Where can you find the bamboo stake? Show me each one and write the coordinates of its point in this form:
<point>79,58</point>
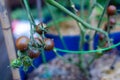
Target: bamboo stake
<point>5,23</point>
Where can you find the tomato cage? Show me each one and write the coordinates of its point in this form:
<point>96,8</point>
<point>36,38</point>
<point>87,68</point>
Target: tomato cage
<point>71,28</point>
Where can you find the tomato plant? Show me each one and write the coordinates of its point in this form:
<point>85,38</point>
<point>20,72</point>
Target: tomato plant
<point>34,47</point>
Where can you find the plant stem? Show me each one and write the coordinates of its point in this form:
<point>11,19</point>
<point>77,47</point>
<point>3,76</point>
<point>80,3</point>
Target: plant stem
<point>90,51</point>
<point>90,12</point>
<point>101,17</point>
<point>96,56</point>
<point>108,25</point>
<point>81,43</point>
<point>30,19</point>
<point>28,12</point>
<point>61,57</point>
<point>56,26</point>
<point>82,31</point>
<point>82,9</point>
<point>43,56</point>
<point>31,34</point>
<point>54,3</point>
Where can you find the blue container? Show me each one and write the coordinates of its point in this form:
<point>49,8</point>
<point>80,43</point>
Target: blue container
<point>72,43</point>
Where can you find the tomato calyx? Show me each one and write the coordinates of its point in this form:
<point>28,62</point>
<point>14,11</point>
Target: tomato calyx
<point>16,63</point>
<point>41,28</point>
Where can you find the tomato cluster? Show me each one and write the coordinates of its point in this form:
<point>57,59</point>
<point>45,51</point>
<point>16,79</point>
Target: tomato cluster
<point>111,11</point>
<point>28,48</point>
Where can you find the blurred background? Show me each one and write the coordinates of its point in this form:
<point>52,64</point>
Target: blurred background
<point>20,24</point>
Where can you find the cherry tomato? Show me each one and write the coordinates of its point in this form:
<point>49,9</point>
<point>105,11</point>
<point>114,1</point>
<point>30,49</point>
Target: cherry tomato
<point>33,53</point>
<point>38,40</point>
<point>106,27</point>
<point>38,29</point>
<point>101,37</point>
<point>49,44</point>
<point>111,10</point>
<point>22,43</point>
<point>112,21</point>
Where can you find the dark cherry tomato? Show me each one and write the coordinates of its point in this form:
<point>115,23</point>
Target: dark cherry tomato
<point>106,27</point>
<point>101,37</point>
<point>49,44</point>
<point>38,29</point>
<point>111,10</point>
<point>22,43</point>
<point>112,21</point>
<point>38,40</point>
<point>33,53</point>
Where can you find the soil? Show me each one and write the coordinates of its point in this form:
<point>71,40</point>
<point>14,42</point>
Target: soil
<point>58,69</point>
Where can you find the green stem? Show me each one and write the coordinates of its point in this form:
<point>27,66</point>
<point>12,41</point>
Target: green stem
<point>90,51</point>
<point>28,12</point>
<point>31,34</point>
<point>108,25</point>
<point>82,31</point>
<point>54,3</point>
<point>101,17</point>
<point>90,12</point>
<point>81,42</point>
<point>100,6</point>
<point>43,56</point>
<point>57,27</point>
<point>61,57</point>
<point>30,19</point>
<point>82,8</point>
<point>94,58</point>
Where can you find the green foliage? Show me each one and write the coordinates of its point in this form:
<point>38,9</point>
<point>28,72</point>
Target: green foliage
<point>21,14</point>
<point>115,2</point>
